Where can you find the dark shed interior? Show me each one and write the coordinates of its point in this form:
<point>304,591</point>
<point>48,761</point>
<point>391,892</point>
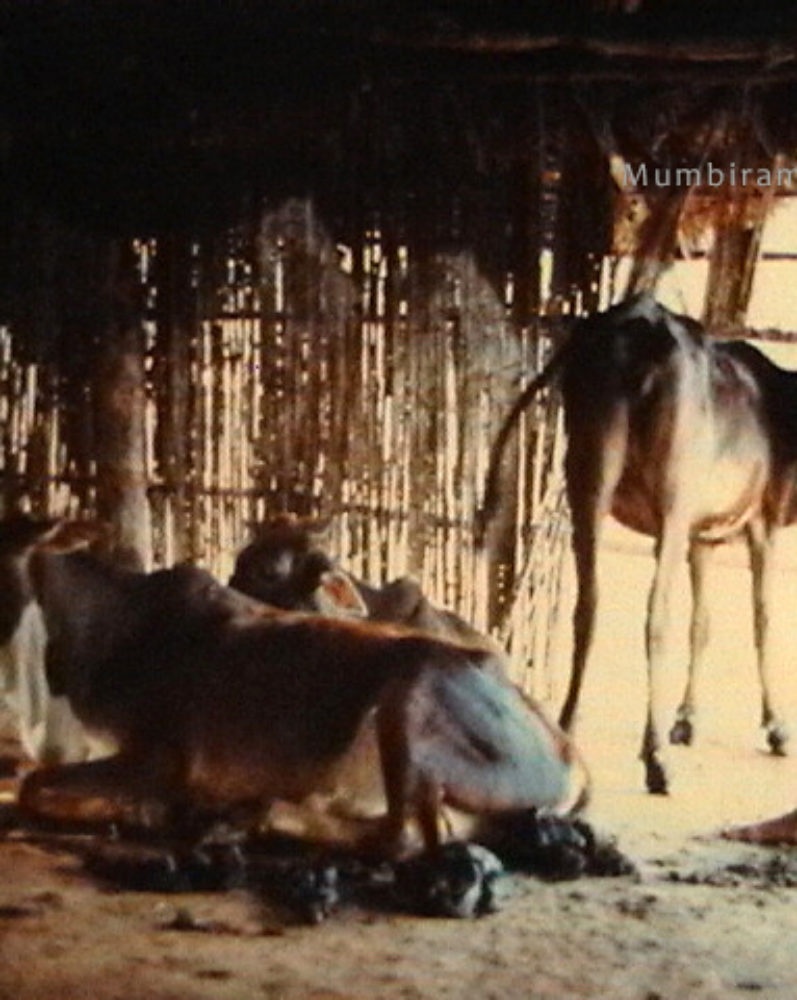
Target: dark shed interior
<point>276,256</point>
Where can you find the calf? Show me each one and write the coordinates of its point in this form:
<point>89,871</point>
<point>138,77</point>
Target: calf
<point>217,701</point>
<point>286,566</point>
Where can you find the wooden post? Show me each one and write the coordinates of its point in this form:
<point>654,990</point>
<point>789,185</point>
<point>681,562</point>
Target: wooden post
<point>120,410</point>
<point>658,240</point>
<point>734,256</point>
<point>177,324</point>
<point>730,276</point>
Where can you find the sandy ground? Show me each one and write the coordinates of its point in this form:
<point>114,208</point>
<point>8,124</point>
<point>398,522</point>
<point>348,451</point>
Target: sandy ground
<point>702,919</point>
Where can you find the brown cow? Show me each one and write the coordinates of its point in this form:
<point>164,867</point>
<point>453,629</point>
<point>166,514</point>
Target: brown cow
<point>689,440</point>
<point>218,702</point>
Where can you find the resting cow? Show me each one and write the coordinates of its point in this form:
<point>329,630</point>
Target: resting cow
<point>689,440</point>
<point>217,702</point>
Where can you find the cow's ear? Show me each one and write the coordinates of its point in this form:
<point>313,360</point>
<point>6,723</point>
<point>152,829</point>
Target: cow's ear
<point>21,532</point>
<point>258,530</point>
<point>337,595</point>
<point>70,536</point>
<point>406,596</point>
<point>318,530</point>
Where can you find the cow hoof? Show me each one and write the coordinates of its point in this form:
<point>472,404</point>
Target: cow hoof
<point>551,847</point>
<point>457,880</point>
<point>305,893</point>
<point>777,738</point>
<point>655,778</point>
<point>384,843</point>
<point>682,733</point>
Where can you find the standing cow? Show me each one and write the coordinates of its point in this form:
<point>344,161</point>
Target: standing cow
<point>689,440</point>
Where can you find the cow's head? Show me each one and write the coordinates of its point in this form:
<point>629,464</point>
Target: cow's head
<point>21,536</point>
<point>287,567</point>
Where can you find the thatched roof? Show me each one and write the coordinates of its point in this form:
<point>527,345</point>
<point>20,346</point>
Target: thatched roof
<point>142,105</point>
<point>550,37</point>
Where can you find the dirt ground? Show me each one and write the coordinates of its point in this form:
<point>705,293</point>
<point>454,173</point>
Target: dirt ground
<point>702,919</point>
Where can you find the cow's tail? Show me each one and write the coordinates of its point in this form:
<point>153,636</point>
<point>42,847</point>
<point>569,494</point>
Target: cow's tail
<point>580,787</point>
<point>493,480</point>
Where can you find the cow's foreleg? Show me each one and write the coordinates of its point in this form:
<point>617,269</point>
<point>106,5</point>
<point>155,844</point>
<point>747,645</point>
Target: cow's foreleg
<point>670,553</point>
<point>761,543</point>
<point>699,558</point>
<point>117,789</point>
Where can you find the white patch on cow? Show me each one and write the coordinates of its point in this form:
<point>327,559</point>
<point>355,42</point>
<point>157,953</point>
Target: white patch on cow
<point>337,596</point>
<point>282,566</point>
<point>642,306</point>
<point>48,728</point>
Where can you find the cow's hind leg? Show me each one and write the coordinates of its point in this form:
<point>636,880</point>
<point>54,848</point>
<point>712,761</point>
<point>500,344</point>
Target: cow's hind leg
<point>671,550</point>
<point>761,545</point>
<point>401,777</point>
<point>593,466</point>
<point>699,557</point>
<point>409,746</point>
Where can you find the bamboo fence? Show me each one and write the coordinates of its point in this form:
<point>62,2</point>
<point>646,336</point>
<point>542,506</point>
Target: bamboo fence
<point>289,373</point>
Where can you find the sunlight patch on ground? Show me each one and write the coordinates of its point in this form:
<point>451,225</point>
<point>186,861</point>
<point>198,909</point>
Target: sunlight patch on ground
<point>726,777</point>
